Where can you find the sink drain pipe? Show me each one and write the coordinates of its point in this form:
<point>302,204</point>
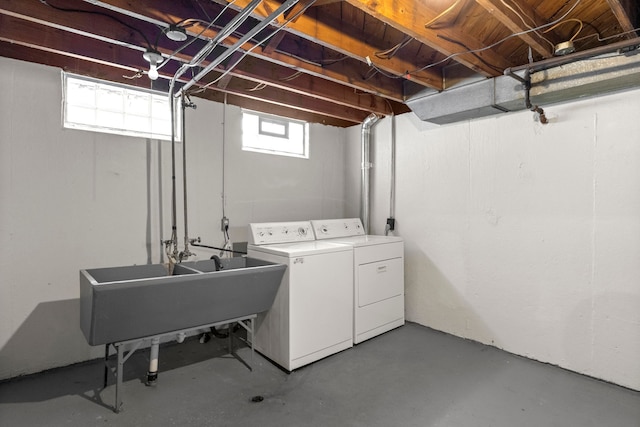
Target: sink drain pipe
<point>152,375</point>
<point>365,148</point>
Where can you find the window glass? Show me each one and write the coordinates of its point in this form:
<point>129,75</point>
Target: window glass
<point>100,106</point>
<point>274,135</point>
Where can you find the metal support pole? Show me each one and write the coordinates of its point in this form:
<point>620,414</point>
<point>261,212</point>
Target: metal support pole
<point>121,361</point>
<point>106,367</point>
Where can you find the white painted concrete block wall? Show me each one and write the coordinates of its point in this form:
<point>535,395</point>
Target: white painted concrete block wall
<point>525,236</point>
<point>71,200</point>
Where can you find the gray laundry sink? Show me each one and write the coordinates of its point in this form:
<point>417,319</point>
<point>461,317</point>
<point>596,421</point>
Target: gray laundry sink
<point>124,303</point>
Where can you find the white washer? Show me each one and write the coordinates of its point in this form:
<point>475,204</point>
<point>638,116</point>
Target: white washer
<point>378,275</point>
<point>312,315</point>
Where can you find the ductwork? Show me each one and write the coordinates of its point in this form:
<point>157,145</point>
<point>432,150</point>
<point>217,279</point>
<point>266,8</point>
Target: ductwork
<point>556,80</point>
<point>367,124</point>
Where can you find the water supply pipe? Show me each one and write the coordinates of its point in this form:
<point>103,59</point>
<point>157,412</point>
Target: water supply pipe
<point>365,148</point>
<point>236,46</point>
<point>172,255</point>
<point>186,253</point>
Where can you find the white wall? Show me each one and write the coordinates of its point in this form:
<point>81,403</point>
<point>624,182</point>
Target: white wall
<point>71,200</point>
<point>525,236</point>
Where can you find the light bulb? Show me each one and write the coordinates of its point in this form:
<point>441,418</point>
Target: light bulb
<point>153,72</point>
<point>154,58</point>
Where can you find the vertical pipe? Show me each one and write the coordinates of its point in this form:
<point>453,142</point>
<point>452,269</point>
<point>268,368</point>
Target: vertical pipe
<point>365,148</point>
<point>392,196</point>
<point>174,229</point>
<point>186,252</point>
<point>152,375</point>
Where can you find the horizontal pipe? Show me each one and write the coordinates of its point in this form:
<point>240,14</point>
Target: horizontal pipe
<point>230,50</point>
<point>217,248</point>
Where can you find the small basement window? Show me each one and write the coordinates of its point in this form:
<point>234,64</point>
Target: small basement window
<point>101,106</point>
<point>269,134</point>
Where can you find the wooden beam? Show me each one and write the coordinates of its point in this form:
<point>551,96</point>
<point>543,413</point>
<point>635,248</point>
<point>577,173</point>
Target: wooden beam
<point>30,34</point>
<point>265,107</point>
<point>302,83</point>
<point>347,40</point>
<point>110,73</point>
<point>292,14</point>
<point>64,26</point>
<point>410,17</point>
<point>59,42</point>
<point>284,98</point>
<point>625,13</point>
<point>510,20</point>
<point>154,11</point>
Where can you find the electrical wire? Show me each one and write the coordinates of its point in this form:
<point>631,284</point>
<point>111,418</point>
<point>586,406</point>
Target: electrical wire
<point>92,12</point>
<point>291,77</point>
<point>197,36</point>
<point>567,20</point>
<point>520,15</point>
<point>597,34</point>
<point>245,53</point>
<point>390,53</point>
<point>445,12</point>
<point>324,62</point>
<point>491,46</point>
<point>257,87</point>
<point>450,40</point>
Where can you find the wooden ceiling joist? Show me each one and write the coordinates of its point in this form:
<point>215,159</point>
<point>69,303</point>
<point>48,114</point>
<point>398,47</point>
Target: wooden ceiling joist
<point>334,61</point>
<point>176,11</point>
<point>345,39</point>
<point>67,36</point>
<point>410,18</point>
<point>626,14</point>
<point>508,18</point>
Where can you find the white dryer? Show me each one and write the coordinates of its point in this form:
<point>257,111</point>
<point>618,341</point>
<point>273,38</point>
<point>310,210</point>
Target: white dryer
<point>312,315</point>
<point>378,280</point>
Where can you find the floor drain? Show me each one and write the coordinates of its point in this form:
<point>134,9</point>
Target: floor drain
<point>256,399</point>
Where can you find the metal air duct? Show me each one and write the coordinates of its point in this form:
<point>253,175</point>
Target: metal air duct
<point>365,146</point>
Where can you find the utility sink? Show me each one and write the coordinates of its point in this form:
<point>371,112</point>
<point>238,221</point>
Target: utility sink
<point>125,303</point>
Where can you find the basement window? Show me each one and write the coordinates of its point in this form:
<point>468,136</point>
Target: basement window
<point>269,134</point>
<point>101,106</point>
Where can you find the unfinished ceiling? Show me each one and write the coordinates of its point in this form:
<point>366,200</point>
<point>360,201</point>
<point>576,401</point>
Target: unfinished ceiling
<point>324,61</point>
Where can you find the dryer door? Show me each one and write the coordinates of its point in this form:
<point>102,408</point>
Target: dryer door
<point>380,280</point>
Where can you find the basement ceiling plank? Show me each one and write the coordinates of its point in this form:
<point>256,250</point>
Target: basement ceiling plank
<point>411,17</point>
<point>175,11</point>
<point>77,65</point>
<point>303,83</point>
<point>341,37</point>
<point>284,98</point>
<point>506,15</point>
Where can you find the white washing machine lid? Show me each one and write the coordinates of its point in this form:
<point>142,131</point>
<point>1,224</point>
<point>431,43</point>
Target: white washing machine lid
<point>297,249</point>
<point>366,240</point>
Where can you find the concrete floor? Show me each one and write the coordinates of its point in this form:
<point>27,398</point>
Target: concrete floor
<point>412,376</point>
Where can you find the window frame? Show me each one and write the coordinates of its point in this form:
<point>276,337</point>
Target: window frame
<point>126,90</point>
<point>303,153</point>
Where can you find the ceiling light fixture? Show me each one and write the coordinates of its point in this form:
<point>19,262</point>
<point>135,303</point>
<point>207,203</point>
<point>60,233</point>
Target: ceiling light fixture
<point>154,58</point>
<point>176,33</point>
